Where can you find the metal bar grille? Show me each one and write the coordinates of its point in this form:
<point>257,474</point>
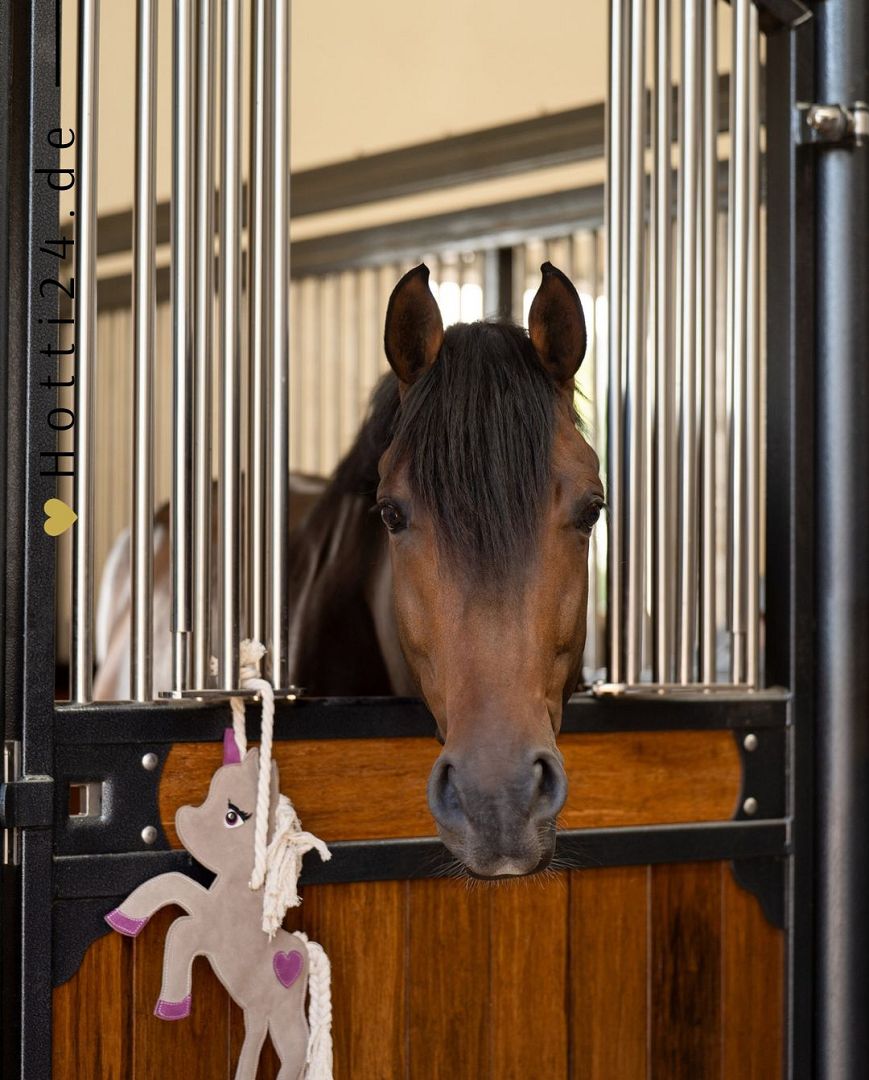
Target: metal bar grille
<point>676,573</point>
<point>656,633</point>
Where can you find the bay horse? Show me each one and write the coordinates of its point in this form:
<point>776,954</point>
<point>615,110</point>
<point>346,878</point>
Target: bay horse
<point>448,557</point>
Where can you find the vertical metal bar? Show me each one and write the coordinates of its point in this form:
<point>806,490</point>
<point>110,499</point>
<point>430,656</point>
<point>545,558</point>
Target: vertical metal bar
<point>182,335</point>
<point>81,648</point>
<point>791,646</point>
<point>297,369</point>
<point>635,344</point>
<point>230,344</point>
<point>841,566</point>
<point>709,228</point>
<point>259,315</point>
<point>738,201</point>
<point>144,313</point>
<point>590,261</point>
<point>278,623</point>
<point>661,217</point>
<point>324,407</point>
<point>687,225</point>
<point>202,343</point>
<point>614,275</point>
<point>752,361</point>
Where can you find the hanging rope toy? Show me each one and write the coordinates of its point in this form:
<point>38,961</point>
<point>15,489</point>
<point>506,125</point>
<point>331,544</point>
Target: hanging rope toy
<point>277,864</point>
<point>236,922</point>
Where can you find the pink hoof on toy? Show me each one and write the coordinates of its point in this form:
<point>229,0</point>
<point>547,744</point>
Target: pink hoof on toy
<point>173,1010</point>
<point>288,967</point>
<point>117,920</point>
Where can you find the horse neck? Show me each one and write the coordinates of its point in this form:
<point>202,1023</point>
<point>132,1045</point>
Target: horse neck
<point>336,573</point>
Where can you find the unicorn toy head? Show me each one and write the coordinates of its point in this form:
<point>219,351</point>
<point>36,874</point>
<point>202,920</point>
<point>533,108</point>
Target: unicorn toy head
<point>219,832</point>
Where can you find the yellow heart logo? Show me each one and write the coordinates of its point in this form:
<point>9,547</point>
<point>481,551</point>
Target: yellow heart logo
<point>58,517</point>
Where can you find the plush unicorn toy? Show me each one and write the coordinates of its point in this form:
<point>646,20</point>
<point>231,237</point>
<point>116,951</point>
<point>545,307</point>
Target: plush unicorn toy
<point>266,975</point>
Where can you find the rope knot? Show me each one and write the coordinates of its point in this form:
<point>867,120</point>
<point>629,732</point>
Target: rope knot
<point>250,654</point>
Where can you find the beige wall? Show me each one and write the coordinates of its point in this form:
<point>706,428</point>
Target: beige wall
<point>375,74</point>
<point>369,75</point>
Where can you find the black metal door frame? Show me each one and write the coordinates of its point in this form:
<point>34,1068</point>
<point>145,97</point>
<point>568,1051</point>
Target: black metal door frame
<point>31,107</point>
<point>790,600</point>
<point>806,309</point>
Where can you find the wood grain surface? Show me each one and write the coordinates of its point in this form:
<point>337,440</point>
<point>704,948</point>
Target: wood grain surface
<point>609,951</point>
<point>685,976</point>
<point>624,973</point>
<point>753,998</point>
<point>376,787</point>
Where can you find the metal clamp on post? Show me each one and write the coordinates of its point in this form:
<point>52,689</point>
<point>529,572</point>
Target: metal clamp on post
<point>834,125</point>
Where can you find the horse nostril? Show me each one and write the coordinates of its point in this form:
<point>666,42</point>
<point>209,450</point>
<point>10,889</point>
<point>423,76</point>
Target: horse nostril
<point>551,785</point>
<point>443,795</point>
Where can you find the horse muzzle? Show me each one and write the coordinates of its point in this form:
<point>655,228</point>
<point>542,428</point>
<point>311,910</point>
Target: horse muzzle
<point>498,817</point>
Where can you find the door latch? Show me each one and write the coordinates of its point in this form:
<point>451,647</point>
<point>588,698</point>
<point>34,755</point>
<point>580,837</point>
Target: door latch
<point>26,802</point>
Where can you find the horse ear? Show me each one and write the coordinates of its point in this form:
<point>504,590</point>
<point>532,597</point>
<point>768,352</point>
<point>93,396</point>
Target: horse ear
<point>556,325</point>
<point>414,331</point>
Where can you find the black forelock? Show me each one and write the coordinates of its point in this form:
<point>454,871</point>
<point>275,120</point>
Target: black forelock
<point>475,432</point>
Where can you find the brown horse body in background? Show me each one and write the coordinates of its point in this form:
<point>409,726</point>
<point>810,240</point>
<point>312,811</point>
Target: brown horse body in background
<point>470,584</point>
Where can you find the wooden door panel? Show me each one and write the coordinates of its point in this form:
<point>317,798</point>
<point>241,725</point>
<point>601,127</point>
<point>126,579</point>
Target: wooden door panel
<point>625,973</point>
<point>609,960</point>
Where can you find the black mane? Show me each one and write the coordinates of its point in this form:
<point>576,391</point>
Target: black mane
<point>476,433</point>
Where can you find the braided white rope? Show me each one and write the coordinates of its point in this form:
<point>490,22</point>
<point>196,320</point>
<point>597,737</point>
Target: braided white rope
<point>318,1060</point>
<point>277,865</point>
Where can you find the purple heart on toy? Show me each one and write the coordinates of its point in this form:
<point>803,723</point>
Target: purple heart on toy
<point>288,966</point>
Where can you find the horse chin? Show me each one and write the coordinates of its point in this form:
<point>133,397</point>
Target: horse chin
<point>483,862</point>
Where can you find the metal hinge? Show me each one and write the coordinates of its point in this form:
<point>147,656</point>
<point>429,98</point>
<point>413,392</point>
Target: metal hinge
<point>26,802</point>
<point>11,773</point>
<point>834,125</point>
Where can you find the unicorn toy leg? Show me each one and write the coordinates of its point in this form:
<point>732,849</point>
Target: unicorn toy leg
<point>291,1042</point>
<point>183,943</point>
<point>130,918</point>
<point>255,1029</point>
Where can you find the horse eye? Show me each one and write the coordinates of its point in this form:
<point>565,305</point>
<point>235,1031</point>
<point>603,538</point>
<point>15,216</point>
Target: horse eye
<point>392,517</point>
<point>588,518</point>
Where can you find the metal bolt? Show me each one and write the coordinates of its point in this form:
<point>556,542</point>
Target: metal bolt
<point>830,121</point>
<point>750,741</point>
<point>750,806</point>
<point>149,834</point>
<point>150,762</point>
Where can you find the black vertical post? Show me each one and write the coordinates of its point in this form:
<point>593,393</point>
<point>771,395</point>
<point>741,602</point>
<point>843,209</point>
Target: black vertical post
<point>505,285</point>
<point>789,642</point>
<point>9,892</point>
<point>842,557</point>
<point>30,204</point>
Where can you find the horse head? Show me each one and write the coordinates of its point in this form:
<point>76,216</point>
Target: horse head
<point>220,831</point>
<point>489,492</point>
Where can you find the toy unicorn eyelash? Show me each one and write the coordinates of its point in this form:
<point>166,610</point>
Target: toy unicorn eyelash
<point>266,975</point>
